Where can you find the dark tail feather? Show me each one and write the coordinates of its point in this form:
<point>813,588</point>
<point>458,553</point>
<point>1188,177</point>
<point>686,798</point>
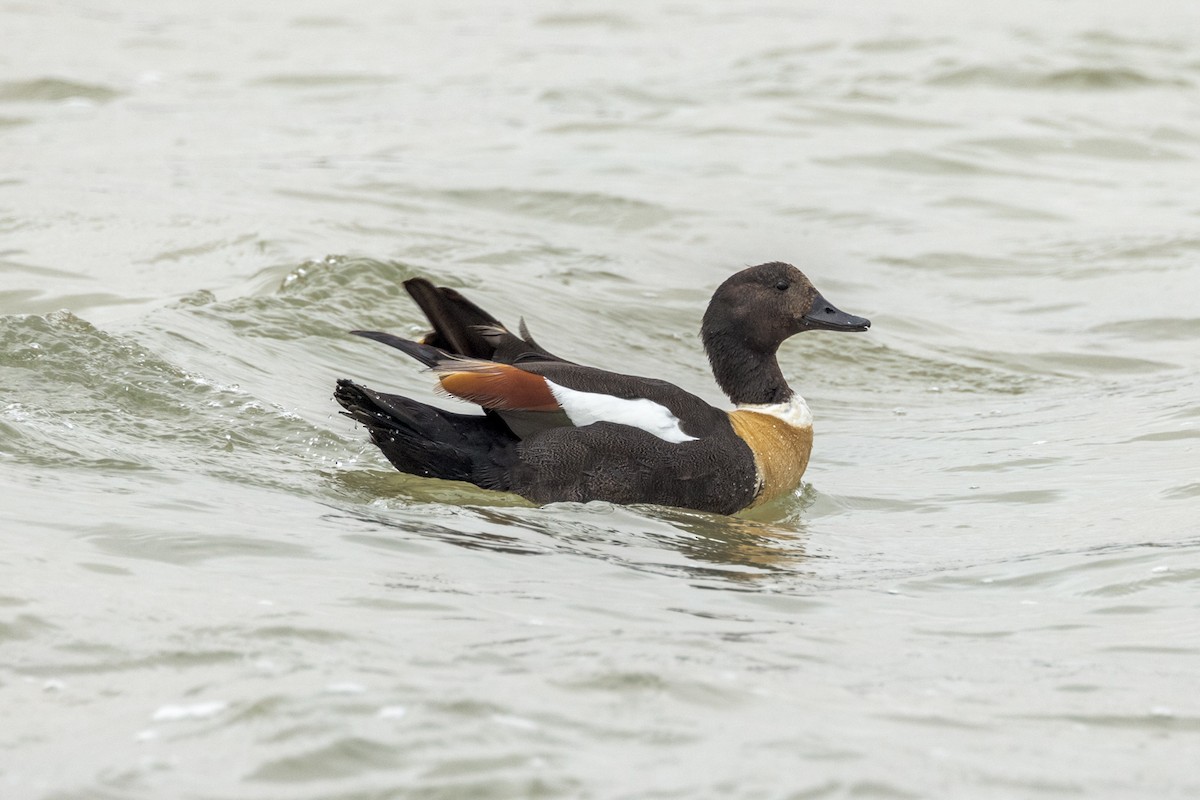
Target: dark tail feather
<point>422,440</point>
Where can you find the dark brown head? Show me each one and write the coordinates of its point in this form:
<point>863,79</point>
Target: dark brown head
<point>751,314</point>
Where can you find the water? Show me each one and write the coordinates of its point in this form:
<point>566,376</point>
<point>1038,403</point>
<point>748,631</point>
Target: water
<point>212,587</point>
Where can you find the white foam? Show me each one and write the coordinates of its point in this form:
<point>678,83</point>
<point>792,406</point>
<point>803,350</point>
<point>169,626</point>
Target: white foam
<point>193,711</point>
<point>345,687</point>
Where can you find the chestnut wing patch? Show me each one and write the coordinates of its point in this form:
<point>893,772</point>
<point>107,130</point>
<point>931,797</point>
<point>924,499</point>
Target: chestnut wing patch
<point>501,387</point>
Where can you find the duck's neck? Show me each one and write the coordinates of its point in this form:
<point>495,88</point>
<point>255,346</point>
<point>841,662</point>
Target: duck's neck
<point>749,376</point>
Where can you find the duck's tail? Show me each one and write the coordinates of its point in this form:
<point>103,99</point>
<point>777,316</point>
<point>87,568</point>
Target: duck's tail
<point>423,440</point>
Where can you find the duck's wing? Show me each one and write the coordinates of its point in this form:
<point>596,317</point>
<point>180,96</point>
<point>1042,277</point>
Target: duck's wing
<point>511,376</point>
<point>575,395</point>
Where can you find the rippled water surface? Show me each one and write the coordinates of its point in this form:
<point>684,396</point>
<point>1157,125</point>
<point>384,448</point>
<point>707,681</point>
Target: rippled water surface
<point>212,587</point>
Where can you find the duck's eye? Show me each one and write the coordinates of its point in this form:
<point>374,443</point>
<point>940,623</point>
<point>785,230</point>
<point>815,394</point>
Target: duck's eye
<point>783,286</point>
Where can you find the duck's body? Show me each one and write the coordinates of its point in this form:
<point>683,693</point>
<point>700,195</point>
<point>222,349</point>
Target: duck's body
<point>553,430</point>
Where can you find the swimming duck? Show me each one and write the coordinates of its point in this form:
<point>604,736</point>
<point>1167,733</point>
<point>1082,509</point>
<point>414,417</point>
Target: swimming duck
<point>554,430</point>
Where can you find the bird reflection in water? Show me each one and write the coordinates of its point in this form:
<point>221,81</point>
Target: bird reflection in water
<point>741,549</point>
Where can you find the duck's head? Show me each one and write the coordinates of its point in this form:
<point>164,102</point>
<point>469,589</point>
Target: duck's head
<point>766,304</point>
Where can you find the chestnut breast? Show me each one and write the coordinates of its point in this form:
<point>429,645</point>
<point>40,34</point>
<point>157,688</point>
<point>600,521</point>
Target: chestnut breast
<point>781,448</point>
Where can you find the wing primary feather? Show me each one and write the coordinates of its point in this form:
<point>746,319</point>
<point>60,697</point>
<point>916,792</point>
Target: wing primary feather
<point>427,354</point>
<point>453,317</point>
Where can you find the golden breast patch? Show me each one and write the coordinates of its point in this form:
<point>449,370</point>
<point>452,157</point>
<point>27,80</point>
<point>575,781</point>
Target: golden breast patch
<point>780,450</point>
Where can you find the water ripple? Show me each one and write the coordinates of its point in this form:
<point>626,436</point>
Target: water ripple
<point>52,90</point>
<point>1065,79</point>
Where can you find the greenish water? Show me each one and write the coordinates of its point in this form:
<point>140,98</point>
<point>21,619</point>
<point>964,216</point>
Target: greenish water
<point>211,586</point>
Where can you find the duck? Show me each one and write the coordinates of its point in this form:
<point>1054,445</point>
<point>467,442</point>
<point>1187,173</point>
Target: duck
<point>552,430</point>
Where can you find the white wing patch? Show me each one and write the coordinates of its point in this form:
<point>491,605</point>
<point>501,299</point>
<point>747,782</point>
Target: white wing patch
<point>584,408</point>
